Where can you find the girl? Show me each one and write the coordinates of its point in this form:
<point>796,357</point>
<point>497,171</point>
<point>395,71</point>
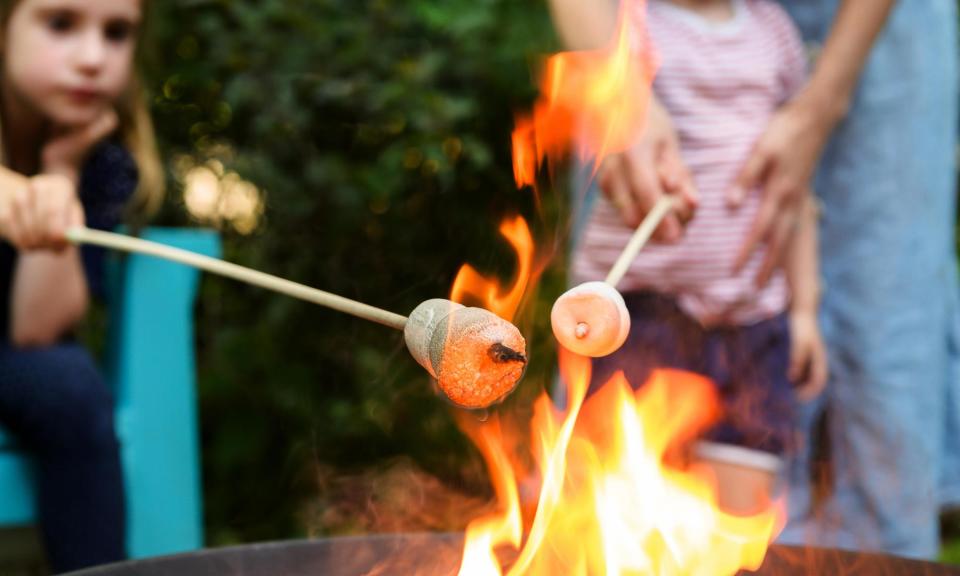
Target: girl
<point>76,140</point>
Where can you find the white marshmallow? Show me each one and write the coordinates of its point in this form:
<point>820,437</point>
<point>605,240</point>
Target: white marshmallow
<point>591,319</point>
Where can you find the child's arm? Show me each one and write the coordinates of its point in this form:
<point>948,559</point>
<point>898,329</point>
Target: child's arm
<point>50,292</point>
<point>808,356</point>
<point>49,296</point>
<point>49,289</point>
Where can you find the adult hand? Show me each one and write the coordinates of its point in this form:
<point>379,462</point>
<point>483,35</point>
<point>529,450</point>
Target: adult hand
<point>781,165</point>
<point>635,179</point>
<point>67,147</point>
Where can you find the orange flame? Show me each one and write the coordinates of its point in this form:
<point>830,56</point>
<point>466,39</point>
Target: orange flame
<point>608,504</point>
<point>594,101</point>
<point>470,284</point>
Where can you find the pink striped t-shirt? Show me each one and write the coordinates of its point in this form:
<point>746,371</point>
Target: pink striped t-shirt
<point>721,83</point>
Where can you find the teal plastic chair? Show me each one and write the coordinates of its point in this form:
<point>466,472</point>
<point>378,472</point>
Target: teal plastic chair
<point>150,363</point>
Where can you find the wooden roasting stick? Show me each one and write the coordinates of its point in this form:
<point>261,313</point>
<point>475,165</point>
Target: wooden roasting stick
<point>228,269</point>
<point>591,319</point>
<point>477,357</point>
<point>640,238</point>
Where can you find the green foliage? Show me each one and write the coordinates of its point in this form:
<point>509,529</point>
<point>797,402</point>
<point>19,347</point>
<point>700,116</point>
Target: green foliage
<point>378,132</point>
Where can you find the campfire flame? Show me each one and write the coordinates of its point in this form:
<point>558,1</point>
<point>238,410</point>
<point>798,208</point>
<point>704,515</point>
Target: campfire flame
<point>608,502</point>
<point>592,102</point>
<point>471,285</point>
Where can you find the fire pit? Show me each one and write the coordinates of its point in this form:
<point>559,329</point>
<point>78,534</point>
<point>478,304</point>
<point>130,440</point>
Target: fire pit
<point>439,555</point>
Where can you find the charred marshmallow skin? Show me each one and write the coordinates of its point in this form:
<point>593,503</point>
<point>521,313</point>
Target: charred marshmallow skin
<point>591,319</point>
<point>477,357</point>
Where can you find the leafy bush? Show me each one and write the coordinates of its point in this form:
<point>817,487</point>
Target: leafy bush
<point>377,133</point>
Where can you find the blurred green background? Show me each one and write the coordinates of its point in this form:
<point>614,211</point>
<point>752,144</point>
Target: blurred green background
<point>361,147</point>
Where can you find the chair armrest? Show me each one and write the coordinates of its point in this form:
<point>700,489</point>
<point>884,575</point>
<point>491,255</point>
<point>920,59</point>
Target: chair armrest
<point>151,365</point>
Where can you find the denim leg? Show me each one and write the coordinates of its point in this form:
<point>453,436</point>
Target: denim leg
<point>887,185</point>
<point>58,406</point>
<point>796,477</point>
<point>950,471</point>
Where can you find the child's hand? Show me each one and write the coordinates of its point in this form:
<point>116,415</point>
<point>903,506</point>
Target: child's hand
<point>36,215</point>
<point>633,180</point>
<point>67,148</point>
<point>808,356</point>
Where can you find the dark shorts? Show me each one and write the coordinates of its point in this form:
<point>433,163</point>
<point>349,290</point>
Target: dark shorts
<point>748,364</point>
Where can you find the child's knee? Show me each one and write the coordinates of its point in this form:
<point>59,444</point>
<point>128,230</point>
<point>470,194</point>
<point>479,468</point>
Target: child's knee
<point>80,409</point>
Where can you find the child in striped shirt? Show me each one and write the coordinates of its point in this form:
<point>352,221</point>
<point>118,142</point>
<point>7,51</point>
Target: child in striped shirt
<point>725,68</point>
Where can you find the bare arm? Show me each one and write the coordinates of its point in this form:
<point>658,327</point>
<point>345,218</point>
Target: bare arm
<point>855,29</point>
<point>784,158</point>
<point>584,24</point>
<point>802,265</point>
<point>49,296</point>
<point>49,292</point>
<point>808,355</point>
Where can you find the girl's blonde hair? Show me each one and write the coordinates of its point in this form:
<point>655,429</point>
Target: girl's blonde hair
<point>135,131</point>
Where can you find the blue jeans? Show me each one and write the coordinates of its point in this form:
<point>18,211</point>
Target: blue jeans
<point>889,312</point>
<point>748,365</point>
<point>59,408</point>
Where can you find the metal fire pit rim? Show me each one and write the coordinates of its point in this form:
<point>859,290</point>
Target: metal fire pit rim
<point>361,553</point>
<point>268,546</point>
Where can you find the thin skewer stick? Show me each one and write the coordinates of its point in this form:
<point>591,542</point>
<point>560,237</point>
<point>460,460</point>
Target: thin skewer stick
<point>236,272</point>
<point>640,238</point>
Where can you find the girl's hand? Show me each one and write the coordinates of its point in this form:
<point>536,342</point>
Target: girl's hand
<point>808,356</point>
<point>38,214</point>
<point>634,180</point>
<point>68,147</point>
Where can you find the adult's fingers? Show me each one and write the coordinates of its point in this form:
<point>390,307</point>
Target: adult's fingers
<point>751,175</point>
<point>759,230</point>
<point>782,230</point>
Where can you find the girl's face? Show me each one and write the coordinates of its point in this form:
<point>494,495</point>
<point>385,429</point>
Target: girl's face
<point>70,59</point>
